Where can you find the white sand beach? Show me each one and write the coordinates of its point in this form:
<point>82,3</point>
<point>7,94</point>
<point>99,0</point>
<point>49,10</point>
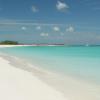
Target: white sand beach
<point>24,83</point>
<point>17,84</point>
<point>2,46</point>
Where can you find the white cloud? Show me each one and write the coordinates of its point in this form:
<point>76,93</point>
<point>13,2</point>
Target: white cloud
<point>62,34</point>
<point>44,34</point>
<point>34,9</point>
<point>70,29</point>
<point>61,6</point>
<point>38,27</point>
<point>23,28</point>
<point>56,28</point>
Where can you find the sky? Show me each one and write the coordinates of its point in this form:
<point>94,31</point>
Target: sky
<point>50,21</point>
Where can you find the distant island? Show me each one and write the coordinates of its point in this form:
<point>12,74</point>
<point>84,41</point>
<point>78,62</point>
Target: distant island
<point>7,42</point>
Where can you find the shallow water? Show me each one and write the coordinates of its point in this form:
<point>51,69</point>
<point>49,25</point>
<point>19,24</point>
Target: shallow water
<point>81,62</point>
<point>75,71</point>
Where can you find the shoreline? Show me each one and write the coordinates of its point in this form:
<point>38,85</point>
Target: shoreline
<point>2,46</point>
<point>39,45</point>
<point>18,84</point>
<point>70,87</point>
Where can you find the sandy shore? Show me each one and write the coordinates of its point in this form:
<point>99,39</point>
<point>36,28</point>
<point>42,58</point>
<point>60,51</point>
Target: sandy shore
<point>17,84</point>
<point>2,46</point>
<point>19,81</point>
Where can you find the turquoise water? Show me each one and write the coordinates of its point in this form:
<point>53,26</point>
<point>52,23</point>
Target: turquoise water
<point>79,62</point>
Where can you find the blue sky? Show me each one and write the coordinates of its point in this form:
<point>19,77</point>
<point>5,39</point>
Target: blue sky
<point>50,21</point>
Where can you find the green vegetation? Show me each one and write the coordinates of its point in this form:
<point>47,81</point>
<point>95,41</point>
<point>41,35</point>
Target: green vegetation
<point>7,42</point>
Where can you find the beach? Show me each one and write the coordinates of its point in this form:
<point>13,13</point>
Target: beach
<point>49,50</point>
<point>18,84</point>
<point>29,82</point>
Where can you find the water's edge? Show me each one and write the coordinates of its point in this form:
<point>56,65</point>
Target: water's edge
<point>69,86</point>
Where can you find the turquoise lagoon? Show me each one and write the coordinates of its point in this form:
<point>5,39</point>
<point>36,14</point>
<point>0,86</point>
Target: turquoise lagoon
<point>80,62</point>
